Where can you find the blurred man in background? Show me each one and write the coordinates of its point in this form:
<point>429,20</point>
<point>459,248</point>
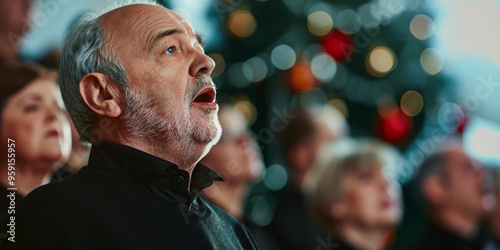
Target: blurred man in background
<point>456,198</point>
<point>301,139</point>
<point>305,134</point>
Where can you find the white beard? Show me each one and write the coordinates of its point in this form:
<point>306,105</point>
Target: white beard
<point>192,137</point>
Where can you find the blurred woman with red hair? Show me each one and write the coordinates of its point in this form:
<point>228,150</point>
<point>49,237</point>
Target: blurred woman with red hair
<point>34,127</point>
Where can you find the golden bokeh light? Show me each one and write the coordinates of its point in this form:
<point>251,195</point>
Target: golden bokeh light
<point>380,61</point>
<point>319,23</point>
<point>247,109</point>
<point>340,105</point>
<point>412,103</point>
<point>242,23</point>
<point>432,61</point>
<point>421,27</point>
<point>220,64</point>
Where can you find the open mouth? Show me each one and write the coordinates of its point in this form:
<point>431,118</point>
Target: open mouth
<point>206,95</point>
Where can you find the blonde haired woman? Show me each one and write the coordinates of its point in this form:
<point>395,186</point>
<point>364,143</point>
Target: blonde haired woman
<point>353,195</point>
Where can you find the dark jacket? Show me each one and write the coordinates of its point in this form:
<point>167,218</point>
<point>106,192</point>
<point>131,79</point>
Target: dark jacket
<point>126,199</point>
<point>8,200</point>
<point>439,238</point>
<point>292,226</point>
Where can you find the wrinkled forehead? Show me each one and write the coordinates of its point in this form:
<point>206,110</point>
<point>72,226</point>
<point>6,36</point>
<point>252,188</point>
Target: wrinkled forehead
<point>140,23</point>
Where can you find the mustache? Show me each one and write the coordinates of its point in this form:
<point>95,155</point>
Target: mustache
<point>198,84</point>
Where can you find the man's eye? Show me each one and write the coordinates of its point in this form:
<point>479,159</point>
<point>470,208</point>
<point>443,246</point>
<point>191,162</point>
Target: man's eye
<point>170,50</point>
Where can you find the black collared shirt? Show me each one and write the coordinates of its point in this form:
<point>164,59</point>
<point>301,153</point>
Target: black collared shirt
<point>127,199</point>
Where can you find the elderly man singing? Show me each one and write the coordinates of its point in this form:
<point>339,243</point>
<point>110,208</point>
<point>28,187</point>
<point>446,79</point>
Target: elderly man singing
<point>137,84</point>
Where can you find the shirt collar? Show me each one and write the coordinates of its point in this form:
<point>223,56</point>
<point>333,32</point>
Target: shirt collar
<point>149,169</point>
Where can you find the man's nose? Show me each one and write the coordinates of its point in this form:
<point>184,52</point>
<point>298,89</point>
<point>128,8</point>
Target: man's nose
<point>201,65</point>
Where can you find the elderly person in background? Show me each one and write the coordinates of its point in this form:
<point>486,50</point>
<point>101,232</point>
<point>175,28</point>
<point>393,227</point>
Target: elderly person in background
<point>354,195</point>
<point>307,131</point>
<point>34,125</point>
<point>456,198</point>
<point>237,158</point>
<point>136,82</point>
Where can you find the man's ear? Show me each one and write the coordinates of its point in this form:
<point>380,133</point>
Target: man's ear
<point>100,95</point>
<point>433,190</point>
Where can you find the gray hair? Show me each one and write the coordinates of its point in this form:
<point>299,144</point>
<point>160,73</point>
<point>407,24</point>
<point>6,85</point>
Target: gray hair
<point>84,52</point>
<point>325,182</point>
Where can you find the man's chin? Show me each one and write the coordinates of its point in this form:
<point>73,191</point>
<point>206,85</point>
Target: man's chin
<point>211,138</point>
<point>207,131</point>
<point>209,144</point>
<point>216,137</point>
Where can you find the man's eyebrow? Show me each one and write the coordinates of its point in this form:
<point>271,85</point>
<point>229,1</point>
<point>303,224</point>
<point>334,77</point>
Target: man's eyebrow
<point>199,37</point>
<point>162,35</point>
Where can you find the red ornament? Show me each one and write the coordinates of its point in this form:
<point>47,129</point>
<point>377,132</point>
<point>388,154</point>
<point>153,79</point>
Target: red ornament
<point>339,45</point>
<point>393,125</point>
